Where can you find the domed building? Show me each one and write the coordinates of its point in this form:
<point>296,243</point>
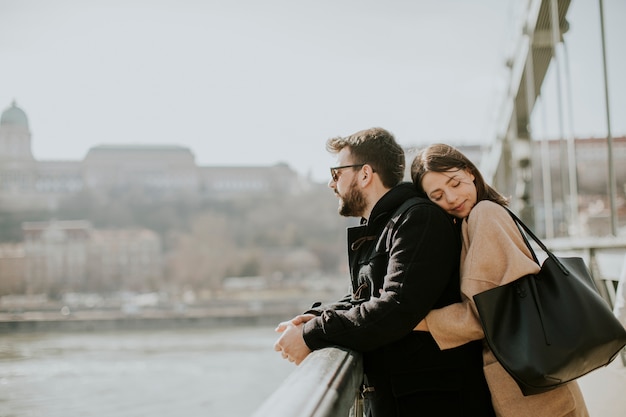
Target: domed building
<point>14,135</point>
<point>14,116</point>
<point>18,169</point>
<point>164,171</point>
<point>25,183</point>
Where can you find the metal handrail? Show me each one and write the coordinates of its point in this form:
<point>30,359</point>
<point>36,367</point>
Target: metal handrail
<point>325,384</point>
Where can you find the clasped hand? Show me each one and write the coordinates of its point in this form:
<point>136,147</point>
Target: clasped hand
<point>291,342</point>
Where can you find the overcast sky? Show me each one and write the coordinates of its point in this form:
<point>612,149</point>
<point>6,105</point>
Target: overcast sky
<point>245,82</point>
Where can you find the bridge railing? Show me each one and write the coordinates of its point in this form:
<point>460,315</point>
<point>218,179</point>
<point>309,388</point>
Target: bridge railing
<point>325,384</point>
<point>591,249</point>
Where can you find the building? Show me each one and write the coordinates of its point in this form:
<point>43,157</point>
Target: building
<point>551,178</point>
<point>129,259</point>
<point>12,265</point>
<point>72,256</point>
<point>55,255</point>
<point>160,171</point>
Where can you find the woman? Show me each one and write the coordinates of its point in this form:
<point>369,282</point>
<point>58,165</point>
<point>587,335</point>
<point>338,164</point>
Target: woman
<point>493,254</point>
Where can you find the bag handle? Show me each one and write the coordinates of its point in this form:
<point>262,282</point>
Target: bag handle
<point>525,230</point>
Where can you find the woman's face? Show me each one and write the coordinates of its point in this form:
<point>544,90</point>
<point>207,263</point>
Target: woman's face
<point>454,191</point>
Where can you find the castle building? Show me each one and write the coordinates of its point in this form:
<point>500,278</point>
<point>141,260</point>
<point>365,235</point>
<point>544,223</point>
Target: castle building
<point>163,171</point>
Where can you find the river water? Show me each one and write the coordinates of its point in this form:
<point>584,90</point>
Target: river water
<point>182,373</point>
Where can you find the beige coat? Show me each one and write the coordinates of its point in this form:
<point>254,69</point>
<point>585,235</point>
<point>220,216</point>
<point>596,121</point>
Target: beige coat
<point>493,254</point>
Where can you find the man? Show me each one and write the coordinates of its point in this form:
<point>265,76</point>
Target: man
<point>404,260</point>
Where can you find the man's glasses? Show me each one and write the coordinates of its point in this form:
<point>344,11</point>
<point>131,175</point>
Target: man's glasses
<point>334,172</point>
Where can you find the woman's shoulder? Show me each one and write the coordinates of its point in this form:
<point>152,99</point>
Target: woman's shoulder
<point>488,209</point>
<point>491,218</point>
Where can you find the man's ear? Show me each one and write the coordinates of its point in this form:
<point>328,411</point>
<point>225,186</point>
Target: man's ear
<point>367,174</point>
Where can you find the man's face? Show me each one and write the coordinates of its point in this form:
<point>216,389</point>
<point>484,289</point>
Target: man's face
<point>345,185</point>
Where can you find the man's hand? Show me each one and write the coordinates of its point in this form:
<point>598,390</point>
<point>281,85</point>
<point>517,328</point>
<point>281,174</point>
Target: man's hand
<point>291,342</point>
<point>300,319</point>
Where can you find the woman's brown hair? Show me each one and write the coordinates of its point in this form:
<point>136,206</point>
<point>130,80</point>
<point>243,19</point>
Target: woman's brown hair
<point>441,158</point>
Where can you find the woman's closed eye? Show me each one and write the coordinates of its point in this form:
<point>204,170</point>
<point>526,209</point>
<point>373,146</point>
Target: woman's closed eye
<point>436,196</point>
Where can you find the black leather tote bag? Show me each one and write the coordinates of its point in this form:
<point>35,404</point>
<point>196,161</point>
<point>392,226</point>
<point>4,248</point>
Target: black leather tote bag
<point>550,328</point>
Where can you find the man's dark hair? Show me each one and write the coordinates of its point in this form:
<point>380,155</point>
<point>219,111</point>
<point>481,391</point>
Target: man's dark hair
<point>377,148</point>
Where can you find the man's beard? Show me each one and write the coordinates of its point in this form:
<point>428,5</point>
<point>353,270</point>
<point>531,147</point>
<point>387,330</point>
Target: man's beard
<point>353,203</point>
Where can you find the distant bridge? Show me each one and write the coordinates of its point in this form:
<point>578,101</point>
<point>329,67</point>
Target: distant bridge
<point>508,164</point>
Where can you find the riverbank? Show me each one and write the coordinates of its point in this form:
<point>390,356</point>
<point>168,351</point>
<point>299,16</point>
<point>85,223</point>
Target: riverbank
<point>96,320</point>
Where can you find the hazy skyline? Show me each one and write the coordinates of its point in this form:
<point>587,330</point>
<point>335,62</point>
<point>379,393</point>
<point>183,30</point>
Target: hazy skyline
<point>247,82</point>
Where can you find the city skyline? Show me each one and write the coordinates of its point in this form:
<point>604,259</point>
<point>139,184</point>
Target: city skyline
<point>241,83</point>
